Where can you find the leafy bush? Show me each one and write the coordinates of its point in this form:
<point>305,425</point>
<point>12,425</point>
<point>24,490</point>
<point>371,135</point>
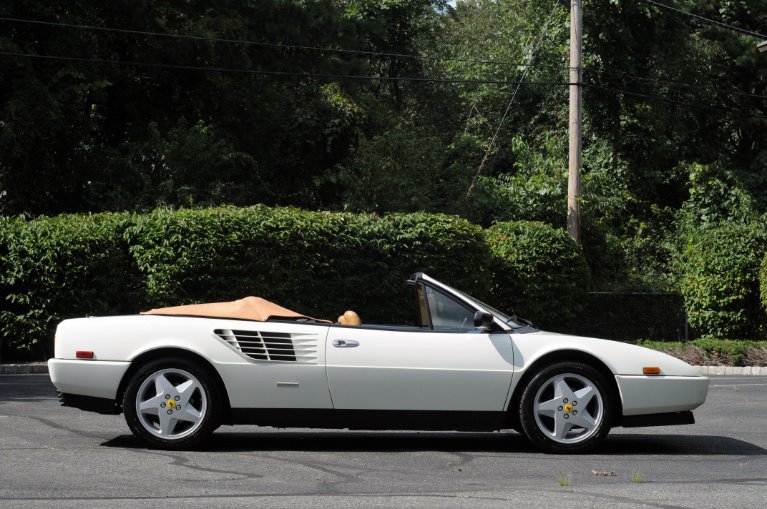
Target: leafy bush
<point>8,229</point>
<point>61,267</point>
<point>720,281</point>
<point>405,169</point>
<point>716,196</point>
<point>538,272</point>
<point>319,263</point>
<point>166,168</point>
<point>537,197</point>
<point>763,282</point>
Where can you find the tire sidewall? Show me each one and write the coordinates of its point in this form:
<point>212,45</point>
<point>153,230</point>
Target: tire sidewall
<point>210,420</point>
<point>527,412</point>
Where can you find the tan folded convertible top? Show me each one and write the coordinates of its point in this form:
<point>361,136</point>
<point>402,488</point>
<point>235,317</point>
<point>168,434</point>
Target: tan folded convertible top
<point>249,308</point>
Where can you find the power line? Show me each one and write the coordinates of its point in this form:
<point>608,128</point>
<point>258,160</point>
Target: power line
<point>706,20</point>
<point>670,101</point>
<point>364,77</point>
<point>277,45</point>
<point>624,74</point>
<point>277,73</point>
<point>491,145</point>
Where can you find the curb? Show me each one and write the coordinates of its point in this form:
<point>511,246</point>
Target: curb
<point>24,369</point>
<point>42,368</point>
<point>733,370</point>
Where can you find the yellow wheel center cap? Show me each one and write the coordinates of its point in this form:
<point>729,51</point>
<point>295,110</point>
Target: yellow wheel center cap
<point>568,408</point>
<point>171,403</point>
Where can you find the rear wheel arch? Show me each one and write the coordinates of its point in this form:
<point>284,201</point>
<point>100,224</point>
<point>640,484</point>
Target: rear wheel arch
<point>176,353</point>
<point>564,356</point>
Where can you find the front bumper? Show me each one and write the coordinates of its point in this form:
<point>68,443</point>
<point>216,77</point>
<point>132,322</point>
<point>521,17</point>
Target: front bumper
<point>99,379</point>
<point>643,395</point>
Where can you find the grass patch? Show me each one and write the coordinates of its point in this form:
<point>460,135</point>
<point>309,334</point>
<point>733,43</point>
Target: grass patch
<point>565,479</point>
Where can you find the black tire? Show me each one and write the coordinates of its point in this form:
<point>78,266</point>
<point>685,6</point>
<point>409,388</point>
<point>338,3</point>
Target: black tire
<point>188,417</point>
<point>570,428</point>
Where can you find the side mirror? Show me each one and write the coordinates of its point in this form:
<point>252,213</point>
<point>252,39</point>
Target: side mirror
<point>483,320</point>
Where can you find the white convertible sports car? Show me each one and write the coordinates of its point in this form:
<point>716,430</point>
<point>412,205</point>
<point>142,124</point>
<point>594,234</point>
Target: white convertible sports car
<point>178,373</point>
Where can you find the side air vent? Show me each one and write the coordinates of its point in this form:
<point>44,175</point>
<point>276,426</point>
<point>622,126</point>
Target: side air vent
<point>272,346</point>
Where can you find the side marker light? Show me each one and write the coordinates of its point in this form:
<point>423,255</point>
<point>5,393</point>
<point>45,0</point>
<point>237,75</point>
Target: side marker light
<point>651,371</point>
<point>84,355</point>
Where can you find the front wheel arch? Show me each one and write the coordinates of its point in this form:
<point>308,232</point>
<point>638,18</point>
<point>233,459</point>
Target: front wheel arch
<point>160,353</point>
<point>554,358</point>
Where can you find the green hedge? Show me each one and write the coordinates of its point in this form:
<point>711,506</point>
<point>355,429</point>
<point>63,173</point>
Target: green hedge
<point>58,267</point>
<point>720,284</point>
<point>318,263</point>
<point>8,230</point>
<point>763,282</point>
<point>538,272</point>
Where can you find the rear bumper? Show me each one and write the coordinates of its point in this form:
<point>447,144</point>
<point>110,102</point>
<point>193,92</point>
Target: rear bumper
<point>98,379</point>
<point>642,395</point>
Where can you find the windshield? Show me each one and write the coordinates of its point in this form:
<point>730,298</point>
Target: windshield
<point>512,321</point>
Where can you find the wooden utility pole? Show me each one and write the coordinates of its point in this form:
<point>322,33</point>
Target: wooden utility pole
<point>576,124</point>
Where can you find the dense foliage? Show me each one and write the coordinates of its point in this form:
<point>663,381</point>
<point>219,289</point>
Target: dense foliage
<point>319,263</point>
<point>54,268</point>
<point>763,282</point>
<point>537,272</point>
<point>720,284</point>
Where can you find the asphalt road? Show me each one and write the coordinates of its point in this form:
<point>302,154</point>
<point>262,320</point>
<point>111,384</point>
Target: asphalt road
<point>52,456</point>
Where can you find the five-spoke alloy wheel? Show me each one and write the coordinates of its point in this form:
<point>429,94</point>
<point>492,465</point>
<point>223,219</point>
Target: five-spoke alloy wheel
<point>567,407</point>
<point>172,404</point>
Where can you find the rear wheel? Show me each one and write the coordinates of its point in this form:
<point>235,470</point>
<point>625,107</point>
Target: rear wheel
<point>567,407</point>
<point>172,404</point>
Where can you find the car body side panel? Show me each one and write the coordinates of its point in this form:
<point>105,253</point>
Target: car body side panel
<point>249,382</point>
<point>419,370</point>
<point>625,361</point>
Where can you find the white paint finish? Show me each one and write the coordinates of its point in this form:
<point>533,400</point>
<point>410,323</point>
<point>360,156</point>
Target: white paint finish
<point>388,369</point>
<point>255,385</point>
<point>99,379</point>
<point>658,394</point>
<point>620,358</point>
<point>413,370</point>
<point>249,383</point>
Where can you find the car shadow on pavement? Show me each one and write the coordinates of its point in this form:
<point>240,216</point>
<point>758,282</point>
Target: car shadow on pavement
<point>507,442</point>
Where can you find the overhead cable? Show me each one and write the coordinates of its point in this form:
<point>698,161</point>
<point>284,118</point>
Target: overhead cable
<point>276,73</point>
<point>706,20</point>
<point>276,45</point>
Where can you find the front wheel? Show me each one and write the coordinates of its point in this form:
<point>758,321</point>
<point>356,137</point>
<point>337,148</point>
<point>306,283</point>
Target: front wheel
<point>172,404</point>
<point>567,407</point>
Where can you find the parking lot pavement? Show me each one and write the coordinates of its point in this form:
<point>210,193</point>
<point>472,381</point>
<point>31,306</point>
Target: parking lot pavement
<point>52,456</point>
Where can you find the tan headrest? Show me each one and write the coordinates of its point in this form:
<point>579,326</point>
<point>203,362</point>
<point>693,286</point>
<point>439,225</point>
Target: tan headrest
<point>349,318</point>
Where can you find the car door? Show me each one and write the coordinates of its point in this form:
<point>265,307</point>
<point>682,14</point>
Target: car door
<point>446,364</point>
<point>285,365</point>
